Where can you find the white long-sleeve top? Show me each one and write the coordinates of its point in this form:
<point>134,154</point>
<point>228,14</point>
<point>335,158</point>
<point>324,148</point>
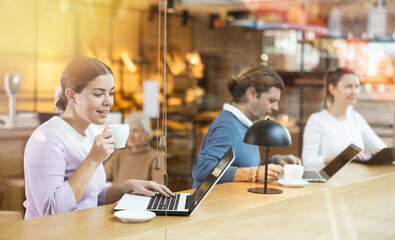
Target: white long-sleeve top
<point>324,136</point>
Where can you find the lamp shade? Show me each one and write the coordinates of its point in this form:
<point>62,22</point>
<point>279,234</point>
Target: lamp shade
<point>267,133</point>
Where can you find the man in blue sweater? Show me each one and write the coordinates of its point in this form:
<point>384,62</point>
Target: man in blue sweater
<point>256,92</point>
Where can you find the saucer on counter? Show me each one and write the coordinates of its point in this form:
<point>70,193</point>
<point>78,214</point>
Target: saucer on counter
<point>300,183</point>
<point>134,215</point>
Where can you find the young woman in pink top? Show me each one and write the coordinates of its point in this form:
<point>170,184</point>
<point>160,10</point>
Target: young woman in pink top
<point>63,159</point>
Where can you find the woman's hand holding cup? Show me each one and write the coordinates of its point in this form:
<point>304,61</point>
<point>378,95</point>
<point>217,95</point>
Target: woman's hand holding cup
<point>103,146</point>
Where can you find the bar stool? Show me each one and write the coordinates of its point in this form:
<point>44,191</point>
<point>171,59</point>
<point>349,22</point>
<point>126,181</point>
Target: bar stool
<point>12,193</point>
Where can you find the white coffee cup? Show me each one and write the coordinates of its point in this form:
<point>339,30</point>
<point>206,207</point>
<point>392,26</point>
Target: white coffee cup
<point>120,132</point>
<point>293,173</point>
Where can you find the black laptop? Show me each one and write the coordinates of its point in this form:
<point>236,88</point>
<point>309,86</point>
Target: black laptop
<point>183,204</point>
<point>385,157</point>
<point>333,167</point>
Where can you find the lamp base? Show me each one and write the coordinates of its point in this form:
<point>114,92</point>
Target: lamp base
<point>268,190</point>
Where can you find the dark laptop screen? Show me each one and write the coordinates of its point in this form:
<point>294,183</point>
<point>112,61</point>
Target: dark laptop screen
<point>213,177</point>
<point>385,156</point>
<point>340,160</point>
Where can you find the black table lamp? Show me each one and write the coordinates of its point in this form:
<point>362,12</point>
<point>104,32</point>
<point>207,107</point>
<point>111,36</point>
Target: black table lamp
<point>267,133</point>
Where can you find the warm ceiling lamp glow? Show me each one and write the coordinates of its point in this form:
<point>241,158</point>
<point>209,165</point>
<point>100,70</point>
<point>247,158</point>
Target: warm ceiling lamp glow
<point>196,67</point>
<point>194,60</point>
<point>175,63</point>
<point>193,57</point>
<point>128,62</point>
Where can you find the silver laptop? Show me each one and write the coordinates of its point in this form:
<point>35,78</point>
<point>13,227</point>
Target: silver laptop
<point>183,204</point>
<point>333,167</point>
<point>385,156</point>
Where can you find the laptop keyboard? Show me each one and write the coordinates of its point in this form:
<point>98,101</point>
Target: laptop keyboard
<point>160,202</point>
<point>311,175</point>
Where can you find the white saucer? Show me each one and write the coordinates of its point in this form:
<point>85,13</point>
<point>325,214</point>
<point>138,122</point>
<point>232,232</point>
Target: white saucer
<point>134,215</point>
<point>300,183</point>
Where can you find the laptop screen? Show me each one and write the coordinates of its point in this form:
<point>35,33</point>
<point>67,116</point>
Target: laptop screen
<point>385,156</point>
<point>212,178</point>
<point>340,160</point>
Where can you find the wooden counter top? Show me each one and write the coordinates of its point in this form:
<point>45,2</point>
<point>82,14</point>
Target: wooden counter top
<point>357,203</point>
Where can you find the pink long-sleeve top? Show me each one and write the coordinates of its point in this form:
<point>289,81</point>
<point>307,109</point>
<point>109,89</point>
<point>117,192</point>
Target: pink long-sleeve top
<point>52,154</point>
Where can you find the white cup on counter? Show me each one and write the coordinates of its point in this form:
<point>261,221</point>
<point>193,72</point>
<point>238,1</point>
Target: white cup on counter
<point>293,173</point>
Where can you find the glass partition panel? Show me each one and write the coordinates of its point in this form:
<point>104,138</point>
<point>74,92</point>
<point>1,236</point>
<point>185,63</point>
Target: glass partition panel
<point>187,50</point>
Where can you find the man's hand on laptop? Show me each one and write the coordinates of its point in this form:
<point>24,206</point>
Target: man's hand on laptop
<point>286,159</point>
<point>149,188</point>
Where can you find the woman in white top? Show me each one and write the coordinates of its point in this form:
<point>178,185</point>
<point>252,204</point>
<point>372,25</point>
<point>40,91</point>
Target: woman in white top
<point>330,131</point>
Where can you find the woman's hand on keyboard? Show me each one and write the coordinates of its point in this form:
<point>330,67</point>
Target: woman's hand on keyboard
<point>148,188</point>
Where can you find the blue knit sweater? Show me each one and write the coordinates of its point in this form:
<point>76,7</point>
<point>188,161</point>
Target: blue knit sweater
<point>225,131</point>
